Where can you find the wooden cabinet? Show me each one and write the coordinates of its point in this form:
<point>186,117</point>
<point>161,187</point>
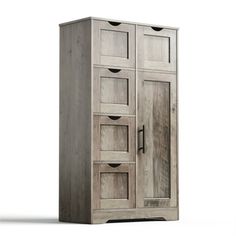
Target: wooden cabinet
<point>118,121</point>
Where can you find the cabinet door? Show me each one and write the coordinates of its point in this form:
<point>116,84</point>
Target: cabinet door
<point>157,164</point>
<point>156,48</point>
<point>114,44</point>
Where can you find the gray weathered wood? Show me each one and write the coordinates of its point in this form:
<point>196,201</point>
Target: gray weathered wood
<point>75,123</point>
<point>114,140</point>
<point>106,40</point>
<point>157,167</point>
<point>115,186</point>
<point>115,20</point>
<point>114,92</point>
<point>102,216</point>
<point>156,49</point>
<point>103,176</point>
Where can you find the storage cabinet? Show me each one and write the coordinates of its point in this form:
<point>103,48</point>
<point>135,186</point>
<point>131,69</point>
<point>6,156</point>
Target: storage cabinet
<point>118,121</point>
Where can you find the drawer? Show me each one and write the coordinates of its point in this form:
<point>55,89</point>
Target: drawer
<point>114,138</point>
<point>113,43</point>
<point>114,186</point>
<point>156,48</point>
<point>114,91</point>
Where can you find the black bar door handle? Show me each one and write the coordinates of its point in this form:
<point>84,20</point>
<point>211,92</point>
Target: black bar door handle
<point>143,144</point>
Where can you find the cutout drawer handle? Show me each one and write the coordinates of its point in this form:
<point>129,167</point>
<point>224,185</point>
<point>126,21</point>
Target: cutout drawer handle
<point>114,117</point>
<point>114,23</point>
<point>114,165</point>
<point>157,28</point>
<point>114,70</point>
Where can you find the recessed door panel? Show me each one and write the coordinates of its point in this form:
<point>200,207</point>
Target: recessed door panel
<point>157,171</point>
<point>157,125</point>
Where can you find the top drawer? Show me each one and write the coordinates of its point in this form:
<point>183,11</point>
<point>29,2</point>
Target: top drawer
<point>114,44</point>
<point>156,48</point>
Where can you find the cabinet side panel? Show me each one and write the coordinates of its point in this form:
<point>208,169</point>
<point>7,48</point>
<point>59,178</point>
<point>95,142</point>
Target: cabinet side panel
<point>75,123</point>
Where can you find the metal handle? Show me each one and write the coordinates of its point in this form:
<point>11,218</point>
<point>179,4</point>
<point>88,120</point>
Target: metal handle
<point>143,145</point>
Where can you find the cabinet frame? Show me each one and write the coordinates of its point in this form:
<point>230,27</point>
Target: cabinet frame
<point>79,62</point>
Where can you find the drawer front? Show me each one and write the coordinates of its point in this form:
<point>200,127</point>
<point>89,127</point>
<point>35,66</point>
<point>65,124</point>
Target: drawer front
<point>156,48</point>
<point>114,186</point>
<point>114,44</point>
<point>114,138</point>
<point>114,91</point>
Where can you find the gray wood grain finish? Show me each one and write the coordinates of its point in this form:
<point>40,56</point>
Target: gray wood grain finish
<point>103,176</point>
<point>102,216</point>
<point>92,18</point>
<point>75,123</point>
<point>157,121</point>
<point>114,92</point>
<point>157,167</point>
<point>115,186</point>
<point>156,49</point>
<point>114,140</point>
<point>107,37</point>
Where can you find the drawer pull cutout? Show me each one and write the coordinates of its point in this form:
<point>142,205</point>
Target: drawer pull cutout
<point>114,70</point>
<point>114,165</point>
<point>157,28</point>
<point>114,23</point>
<point>114,117</point>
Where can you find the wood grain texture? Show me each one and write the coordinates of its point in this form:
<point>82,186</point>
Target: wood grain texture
<point>115,186</point>
<point>143,185</point>
<point>114,140</point>
<point>114,92</point>
<point>156,49</point>
<point>110,38</point>
<point>75,123</point>
<point>121,21</point>
<point>106,40</point>
<point>157,157</point>
<point>157,167</point>
<point>102,216</point>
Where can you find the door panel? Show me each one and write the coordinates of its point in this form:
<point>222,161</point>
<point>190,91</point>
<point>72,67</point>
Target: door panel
<point>157,157</point>
<point>156,186</point>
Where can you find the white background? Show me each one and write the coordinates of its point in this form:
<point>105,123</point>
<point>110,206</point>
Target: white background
<point>29,65</point>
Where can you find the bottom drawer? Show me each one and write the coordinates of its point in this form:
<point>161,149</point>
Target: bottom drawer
<point>114,186</point>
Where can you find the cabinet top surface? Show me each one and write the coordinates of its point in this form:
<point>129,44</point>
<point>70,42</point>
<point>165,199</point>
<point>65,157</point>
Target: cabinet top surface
<point>121,21</point>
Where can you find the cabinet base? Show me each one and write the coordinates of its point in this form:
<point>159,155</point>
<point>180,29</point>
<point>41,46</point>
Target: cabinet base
<point>116,215</point>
